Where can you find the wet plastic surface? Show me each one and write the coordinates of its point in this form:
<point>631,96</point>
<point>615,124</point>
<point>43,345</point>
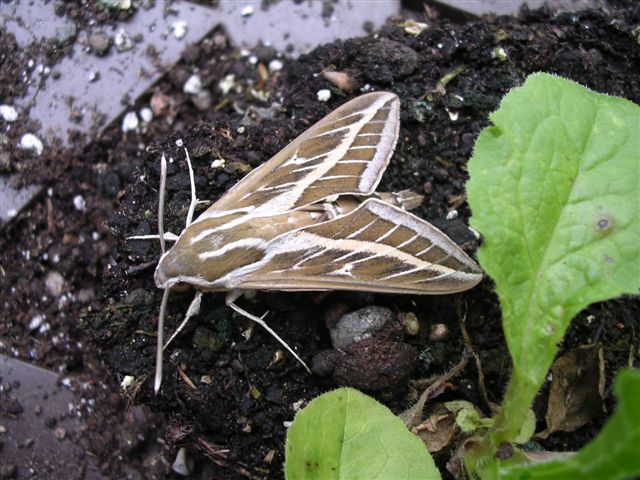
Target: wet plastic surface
<point>297,28</point>
<point>40,425</point>
<point>92,91</point>
<point>511,7</point>
<point>12,200</point>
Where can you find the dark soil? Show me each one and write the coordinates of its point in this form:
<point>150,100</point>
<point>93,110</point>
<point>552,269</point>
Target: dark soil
<point>224,397</point>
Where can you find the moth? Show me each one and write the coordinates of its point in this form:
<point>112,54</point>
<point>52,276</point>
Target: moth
<point>309,219</point>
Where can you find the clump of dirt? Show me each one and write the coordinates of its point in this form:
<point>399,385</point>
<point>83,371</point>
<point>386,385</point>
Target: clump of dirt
<point>227,394</point>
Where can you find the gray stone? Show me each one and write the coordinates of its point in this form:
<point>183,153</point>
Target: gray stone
<point>100,42</point>
<point>359,325</point>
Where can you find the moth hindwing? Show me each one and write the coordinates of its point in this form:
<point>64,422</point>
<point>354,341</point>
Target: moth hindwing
<point>308,219</point>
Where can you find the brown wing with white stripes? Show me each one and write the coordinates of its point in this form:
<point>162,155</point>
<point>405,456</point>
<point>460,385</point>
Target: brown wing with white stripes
<point>377,247</point>
<point>344,153</point>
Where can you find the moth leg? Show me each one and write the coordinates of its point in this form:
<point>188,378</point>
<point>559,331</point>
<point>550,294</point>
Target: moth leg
<point>162,236</point>
<point>163,189</point>
<point>232,296</point>
<point>193,310</point>
<point>405,199</point>
<point>168,237</point>
<point>194,199</point>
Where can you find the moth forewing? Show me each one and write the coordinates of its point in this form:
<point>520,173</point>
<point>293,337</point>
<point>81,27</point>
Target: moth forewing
<point>288,225</point>
<point>344,153</point>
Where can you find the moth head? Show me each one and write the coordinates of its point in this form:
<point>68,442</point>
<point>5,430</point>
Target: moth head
<point>166,274</point>
<point>180,264</point>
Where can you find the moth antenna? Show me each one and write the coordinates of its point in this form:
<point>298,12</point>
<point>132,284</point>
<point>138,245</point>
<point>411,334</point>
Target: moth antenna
<point>193,310</point>
<point>163,309</point>
<point>194,200</point>
<point>163,186</point>
<point>232,295</point>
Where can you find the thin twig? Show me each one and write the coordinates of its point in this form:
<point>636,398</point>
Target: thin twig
<point>462,317</point>
<point>412,416</point>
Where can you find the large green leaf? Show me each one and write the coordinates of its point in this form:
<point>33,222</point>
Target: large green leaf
<point>613,454</point>
<point>345,434</point>
<point>554,189</point>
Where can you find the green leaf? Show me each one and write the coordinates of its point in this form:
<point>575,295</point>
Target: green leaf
<point>345,434</point>
<point>554,190</point>
<point>527,429</point>
<point>613,454</point>
<point>468,419</point>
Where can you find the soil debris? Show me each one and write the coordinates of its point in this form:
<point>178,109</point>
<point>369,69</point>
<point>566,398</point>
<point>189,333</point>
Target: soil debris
<point>75,269</point>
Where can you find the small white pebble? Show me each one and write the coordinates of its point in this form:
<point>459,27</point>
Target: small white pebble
<point>219,163</point>
<point>247,11</point>
<point>227,83</point>
<point>130,122</point>
<point>127,381</point>
<point>182,465</point>
<point>179,143</point>
<point>324,95</point>
<point>30,142</point>
<point>8,113</point>
<point>123,41</point>
<point>253,59</point>
<point>499,53</point>
<point>179,29</point>
<point>193,85</point>
<point>452,115</point>
<point>275,65</point>
<point>146,114</point>
<point>54,282</point>
<point>79,202</point>
<point>241,130</point>
<point>12,213</point>
<point>35,322</point>
<point>287,423</point>
<point>452,214</point>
